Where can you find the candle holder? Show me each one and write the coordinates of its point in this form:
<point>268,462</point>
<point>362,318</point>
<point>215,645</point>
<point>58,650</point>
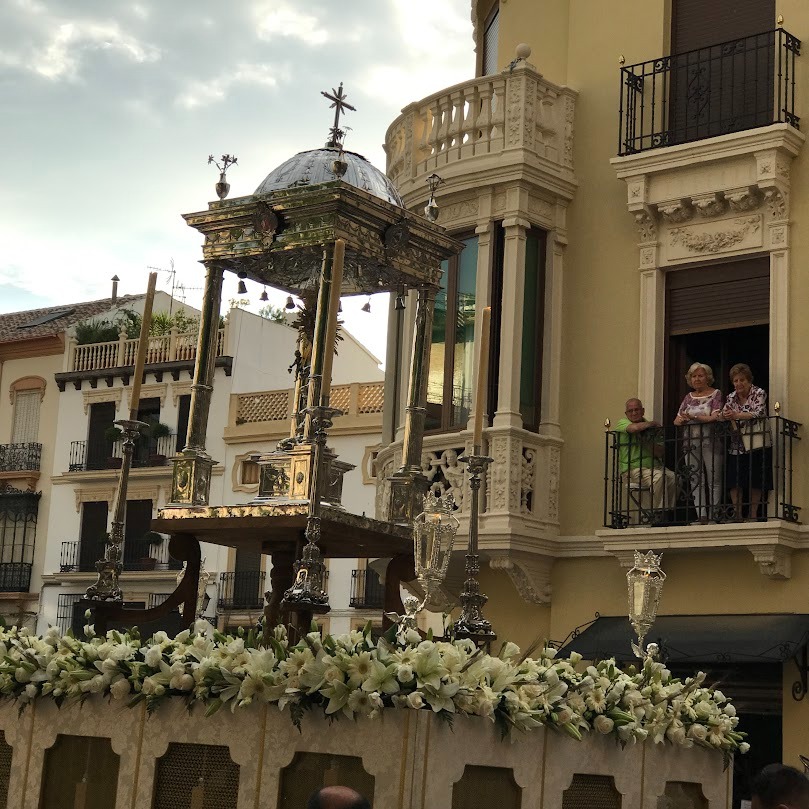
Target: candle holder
<point>307,593</point>
<point>106,587</point>
<point>645,584</point>
<point>471,624</point>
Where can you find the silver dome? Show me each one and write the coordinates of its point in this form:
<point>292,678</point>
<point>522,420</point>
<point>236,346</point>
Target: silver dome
<point>315,166</point>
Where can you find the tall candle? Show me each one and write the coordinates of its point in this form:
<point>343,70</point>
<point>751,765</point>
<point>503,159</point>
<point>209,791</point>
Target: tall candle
<point>143,345</point>
<point>331,323</point>
<point>483,366</point>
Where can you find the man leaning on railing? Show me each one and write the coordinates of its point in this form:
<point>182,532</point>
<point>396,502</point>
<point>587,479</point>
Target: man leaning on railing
<point>640,457</point>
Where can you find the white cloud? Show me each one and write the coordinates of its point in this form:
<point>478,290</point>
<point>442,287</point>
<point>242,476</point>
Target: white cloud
<point>283,19</point>
<point>60,58</point>
<point>200,94</point>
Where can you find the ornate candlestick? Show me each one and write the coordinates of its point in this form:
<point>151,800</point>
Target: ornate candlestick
<point>471,623</point>
<point>109,568</point>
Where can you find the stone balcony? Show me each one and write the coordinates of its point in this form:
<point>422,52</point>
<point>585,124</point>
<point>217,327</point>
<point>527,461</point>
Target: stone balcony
<point>490,130</point>
<point>519,518</point>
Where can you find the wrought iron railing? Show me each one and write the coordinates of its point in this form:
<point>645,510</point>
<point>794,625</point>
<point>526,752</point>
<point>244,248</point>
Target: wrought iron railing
<point>80,556</point>
<point>699,473</point>
<point>15,577</point>
<point>20,457</point>
<point>728,87</point>
<point>241,590</point>
<point>99,453</point>
<point>367,591</point>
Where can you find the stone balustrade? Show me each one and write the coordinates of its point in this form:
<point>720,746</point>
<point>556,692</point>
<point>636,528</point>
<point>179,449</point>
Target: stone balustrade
<point>171,347</point>
<point>508,121</point>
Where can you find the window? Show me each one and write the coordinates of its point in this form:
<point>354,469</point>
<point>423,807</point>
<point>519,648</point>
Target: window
<point>250,470</point>
<point>449,384</point>
<point>533,316</point>
<point>491,29</point>
<point>18,525</point>
<point>25,428</point>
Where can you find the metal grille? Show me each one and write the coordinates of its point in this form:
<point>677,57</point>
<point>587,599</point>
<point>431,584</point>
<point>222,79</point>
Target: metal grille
<point>20,457</point>
<point>65,611</point>
<point>6,752</point>
<point>487,786</point>
<point>367,591</point>
<point>78,764</point>
<point>591,792</point>
<point>682,795</point>
<point>270,406</point>
<point>309,772</point>
<point>18,526</point>
<point>372,398</point>
<point>188,767</point>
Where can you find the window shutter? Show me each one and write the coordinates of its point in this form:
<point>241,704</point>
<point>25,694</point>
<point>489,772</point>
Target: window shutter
<point>724,296</point>
<point>26,417</point>
<point>697,23</point>
<point>490,33</point>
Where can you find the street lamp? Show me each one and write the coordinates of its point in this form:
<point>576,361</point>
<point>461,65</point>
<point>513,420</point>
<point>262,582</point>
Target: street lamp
<point>645,584</point>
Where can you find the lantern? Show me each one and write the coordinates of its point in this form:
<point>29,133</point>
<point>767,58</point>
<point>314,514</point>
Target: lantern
<point>434,533</point>
<point>645,584</point>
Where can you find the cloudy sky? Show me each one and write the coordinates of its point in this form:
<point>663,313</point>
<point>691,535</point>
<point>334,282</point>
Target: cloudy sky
<point>111,107</point>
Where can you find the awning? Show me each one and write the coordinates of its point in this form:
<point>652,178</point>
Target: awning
<point>770,638</point>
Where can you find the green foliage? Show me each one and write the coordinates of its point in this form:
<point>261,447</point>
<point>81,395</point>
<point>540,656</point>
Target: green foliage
<point>113,433</point>
<point>153,538</point>
<point>158,430</point>
<point>273,313</point>
<point>107,330</point>
<point>95,331</point>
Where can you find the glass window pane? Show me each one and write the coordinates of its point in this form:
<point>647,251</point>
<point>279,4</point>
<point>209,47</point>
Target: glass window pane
<point>438,351</point>
<point>464,333</point>
<point>531,332</point>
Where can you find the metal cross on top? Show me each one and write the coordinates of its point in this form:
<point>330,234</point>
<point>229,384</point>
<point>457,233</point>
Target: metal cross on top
<point>340,105</point>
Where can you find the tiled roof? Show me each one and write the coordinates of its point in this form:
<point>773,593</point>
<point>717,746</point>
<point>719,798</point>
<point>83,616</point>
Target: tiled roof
<point>13,326</point>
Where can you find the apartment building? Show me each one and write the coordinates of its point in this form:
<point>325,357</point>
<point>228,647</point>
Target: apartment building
<point>626,179</point>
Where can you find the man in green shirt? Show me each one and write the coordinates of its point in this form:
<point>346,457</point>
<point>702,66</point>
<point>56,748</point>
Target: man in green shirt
<point>640,456</point>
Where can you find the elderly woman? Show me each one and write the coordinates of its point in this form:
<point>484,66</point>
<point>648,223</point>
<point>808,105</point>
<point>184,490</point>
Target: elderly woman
<point>749,463</point>
<point>704,452</point>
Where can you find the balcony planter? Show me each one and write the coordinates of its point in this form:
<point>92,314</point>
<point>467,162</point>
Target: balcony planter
<point>112,435</point>
<point>154,541</point>
<point>157,431</point>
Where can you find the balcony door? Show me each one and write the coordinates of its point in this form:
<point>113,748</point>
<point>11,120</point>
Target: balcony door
<point>93,533</point>
<point>722,60</point>
<point>102,415</point>
<point>718,315</point>
<point>138,522</point>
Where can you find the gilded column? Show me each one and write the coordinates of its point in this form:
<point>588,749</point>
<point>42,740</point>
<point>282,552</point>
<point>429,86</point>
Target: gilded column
<point>190,485</point>
<point>408,484</point>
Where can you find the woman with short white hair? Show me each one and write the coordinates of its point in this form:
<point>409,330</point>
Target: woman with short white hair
<point>704,451</point>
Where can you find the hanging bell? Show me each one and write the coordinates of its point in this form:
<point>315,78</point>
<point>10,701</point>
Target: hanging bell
<point>290,304</point>
<point>264,296</point>
<point>242,288</point>
<point>400,302</point>
<point>367,306</point>
<point>339,307</point>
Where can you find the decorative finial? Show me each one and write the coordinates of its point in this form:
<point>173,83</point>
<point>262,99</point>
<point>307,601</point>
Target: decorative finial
<point>431,208</point>
<point>621,60</point>
<point>607,424</point>
<point>778,408</point>
<point>340,105</point>
<point>223,186</point>
<point>780,20</point>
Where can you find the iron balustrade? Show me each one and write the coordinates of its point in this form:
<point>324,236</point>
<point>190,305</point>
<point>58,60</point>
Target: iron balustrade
<point>99,453</point>
<point>20,457</point>
<point>728,87</point>
<point>367,591</point>
<point>721,472</point>
<point>18,524</point>
<point>80,556</point>
<point>15,577</point>
<point>241,590</point>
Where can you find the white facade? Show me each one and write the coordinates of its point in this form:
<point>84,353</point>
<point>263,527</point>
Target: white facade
<point>261,351</point>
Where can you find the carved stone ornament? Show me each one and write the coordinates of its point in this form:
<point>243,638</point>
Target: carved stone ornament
<point>710,205</point>
<point>396,237</point>
<point>530,576</point>
<point>716,241</point>
<point>777,202</point>
<point>647,227</point>
<point>747,199</point>
<point>774,561</point>
<point>676,212</point>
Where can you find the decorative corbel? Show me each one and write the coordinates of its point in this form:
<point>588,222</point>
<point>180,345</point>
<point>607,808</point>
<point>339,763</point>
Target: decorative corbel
<point>531,575</point>
<point>774,561</point>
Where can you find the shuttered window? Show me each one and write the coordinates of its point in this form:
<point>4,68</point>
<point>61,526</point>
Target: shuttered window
<point>25,429</point>
<point>723,296</point>
<point>698,23</point>
<point>491,29</point>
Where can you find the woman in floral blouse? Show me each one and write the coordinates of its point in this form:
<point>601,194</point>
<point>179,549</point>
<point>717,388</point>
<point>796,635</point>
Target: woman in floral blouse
<point>749,463</point>
<point>704,452</point>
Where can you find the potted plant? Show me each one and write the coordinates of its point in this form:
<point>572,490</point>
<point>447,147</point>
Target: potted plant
<point>156,431</point>
<point>154,541</point>
<point>112,435</point>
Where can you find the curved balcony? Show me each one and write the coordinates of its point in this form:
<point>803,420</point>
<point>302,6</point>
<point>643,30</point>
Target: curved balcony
<point>499,127</point>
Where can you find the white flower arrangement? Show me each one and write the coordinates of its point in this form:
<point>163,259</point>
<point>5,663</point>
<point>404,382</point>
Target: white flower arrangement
<point>350,675</point>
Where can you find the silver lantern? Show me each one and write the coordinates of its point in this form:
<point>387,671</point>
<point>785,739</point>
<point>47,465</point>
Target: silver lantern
<point>645,584</point>
<point>434,533</point>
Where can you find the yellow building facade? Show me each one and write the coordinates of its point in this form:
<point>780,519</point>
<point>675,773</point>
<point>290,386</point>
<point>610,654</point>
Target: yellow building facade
<point>628,182</point>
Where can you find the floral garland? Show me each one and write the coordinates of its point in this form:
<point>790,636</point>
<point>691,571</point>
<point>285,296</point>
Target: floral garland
<point>354,676</point>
